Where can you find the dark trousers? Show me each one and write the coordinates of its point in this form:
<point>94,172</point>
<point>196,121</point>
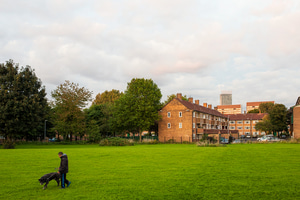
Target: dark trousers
<point>64,180</point>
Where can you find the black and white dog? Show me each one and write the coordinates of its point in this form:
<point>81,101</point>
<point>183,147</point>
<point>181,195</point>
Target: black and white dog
<point>48,177</point>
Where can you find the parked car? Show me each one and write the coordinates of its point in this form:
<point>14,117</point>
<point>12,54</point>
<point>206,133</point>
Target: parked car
<point>236,141</point>
<point>52,139</point>
<point>224,140</point>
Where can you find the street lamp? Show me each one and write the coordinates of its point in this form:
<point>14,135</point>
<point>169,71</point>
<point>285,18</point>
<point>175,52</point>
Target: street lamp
<point>45,130</point>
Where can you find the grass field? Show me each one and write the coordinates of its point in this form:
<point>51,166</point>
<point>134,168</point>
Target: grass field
<point>164,171</point>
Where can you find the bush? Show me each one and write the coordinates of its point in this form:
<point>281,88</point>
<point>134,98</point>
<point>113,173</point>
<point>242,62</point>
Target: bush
<point>8,145</point>
<point>115,142</point>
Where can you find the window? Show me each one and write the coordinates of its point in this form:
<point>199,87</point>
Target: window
<point>247,127</point>
<point>169,125</point>
<point>232,122</point>
<point>194,114</point>
<point>240,128</point>
<point>180,125</point>
<point>247,122</point>
<point>169,114</point>
<point>180,114</point>
<point>193,125</point>
<point>239,122</point>
<point>232,127</point>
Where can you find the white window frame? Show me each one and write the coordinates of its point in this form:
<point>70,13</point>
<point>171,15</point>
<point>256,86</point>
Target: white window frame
<point>239,122</point>
<point>169,114</point>
<point>169,125</point>
<point>194,125</point>
<point>180,125</point>
<point>180,114</point>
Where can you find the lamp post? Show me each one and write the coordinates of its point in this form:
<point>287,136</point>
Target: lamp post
<point>45,130</point>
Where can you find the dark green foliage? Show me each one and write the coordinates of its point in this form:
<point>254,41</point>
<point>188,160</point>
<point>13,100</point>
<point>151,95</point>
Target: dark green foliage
<point>278,117</point>
<point>254,111</point>
<point>137,109</point>
<point>115,141</point>
<point>23,105</point>
<point>8,144</point>
<point>266,107</point>
<point>97,121</point>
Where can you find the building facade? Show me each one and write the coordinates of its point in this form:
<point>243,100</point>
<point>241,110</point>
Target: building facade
<point>255,105</point>
<point>230,109</point>
<point>185,120</point>
<point>245,123</point>
<point>226,98</point>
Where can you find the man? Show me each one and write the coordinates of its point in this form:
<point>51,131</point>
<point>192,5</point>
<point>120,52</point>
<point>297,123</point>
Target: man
<point>63,170</point>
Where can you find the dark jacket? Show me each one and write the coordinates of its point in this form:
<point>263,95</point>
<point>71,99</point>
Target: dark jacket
<point>64,167</point>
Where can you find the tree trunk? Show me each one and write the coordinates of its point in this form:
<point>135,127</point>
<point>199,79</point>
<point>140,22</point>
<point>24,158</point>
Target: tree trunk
<point>140,134</point>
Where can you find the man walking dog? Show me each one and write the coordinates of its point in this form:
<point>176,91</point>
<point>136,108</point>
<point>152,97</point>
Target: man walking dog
<point>63,170</point>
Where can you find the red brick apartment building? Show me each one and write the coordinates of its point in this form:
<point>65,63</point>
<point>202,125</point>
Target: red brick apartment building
<point>295,121</point>
<point>229,109</point>
<point>255,105</point>
<point>185,121</point>
<point>245,123</point>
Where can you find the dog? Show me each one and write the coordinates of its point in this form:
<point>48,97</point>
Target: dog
<point>48,177</point>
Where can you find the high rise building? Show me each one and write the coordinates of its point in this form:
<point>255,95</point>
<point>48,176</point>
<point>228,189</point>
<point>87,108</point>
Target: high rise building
<point>226,98</point>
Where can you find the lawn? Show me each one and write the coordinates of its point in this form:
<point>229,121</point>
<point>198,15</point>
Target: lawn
<point>163,171</point>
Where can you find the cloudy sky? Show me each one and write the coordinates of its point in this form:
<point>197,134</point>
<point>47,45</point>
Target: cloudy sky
<point>196,47</point>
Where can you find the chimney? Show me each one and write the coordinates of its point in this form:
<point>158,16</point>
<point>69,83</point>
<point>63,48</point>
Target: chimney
<point>216,108</point>
<point>191,99</point>
<point>179,96</point>
<point>209,106</point>
<point>197,102</point>
<point>205,105</point>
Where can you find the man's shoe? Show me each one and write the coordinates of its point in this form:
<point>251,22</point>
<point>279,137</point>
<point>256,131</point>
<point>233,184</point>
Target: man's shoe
<point>69,184</point>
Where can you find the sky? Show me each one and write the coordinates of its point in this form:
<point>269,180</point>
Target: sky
<point>195,47</point>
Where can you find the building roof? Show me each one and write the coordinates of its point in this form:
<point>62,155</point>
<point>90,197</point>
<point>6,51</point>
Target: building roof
<point>298,101</point>
<point>197,107</point>
<point>258,102</point>
<point>228,106</point>
<point>248,116</point>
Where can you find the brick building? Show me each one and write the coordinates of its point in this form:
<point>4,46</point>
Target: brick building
<point>245,123</point>
<point>255,105</point>
<point>295,120</point>
<point>229,109</point>
<point>185,121</point>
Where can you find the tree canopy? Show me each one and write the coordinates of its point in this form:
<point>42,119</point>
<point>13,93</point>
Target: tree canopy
<point>69,100</point>
<point>23,103</point>
<point>266,107</point>
<point>137,109</point>
<point>107,97</point>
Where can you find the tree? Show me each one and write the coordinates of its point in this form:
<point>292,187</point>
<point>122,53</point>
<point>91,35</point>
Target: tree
<point>173,96</point>
<point>107,97</point>
<point>69,100</point>
<point>266,107</point>
<point>254,111</point>
<point>278,118</point>
<point>23,103</point>
<point>137,109</point>
<point>97,121</point>
<point>265,125</point>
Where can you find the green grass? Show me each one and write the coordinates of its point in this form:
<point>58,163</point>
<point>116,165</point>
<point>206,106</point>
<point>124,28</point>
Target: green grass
<point>164,171</point>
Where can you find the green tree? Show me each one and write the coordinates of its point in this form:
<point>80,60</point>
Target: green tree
<point>266,107</point>
<point>69,100</point>
<point>173,96</point>
<point>107,97</point>
<point>97,121</point>
<point>265,125</point>
<point>137,109</point>
<point>254,111</point>
<point>278,118</point>
<point>23,103</point>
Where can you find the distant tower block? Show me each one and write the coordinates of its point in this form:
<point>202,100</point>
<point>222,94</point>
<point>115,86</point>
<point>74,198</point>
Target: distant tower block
<point>226,98</point>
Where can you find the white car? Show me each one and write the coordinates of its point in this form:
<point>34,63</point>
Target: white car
<point>266,138</point>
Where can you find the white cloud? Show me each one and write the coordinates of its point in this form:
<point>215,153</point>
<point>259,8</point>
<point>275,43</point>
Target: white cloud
<point>194,47</point>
